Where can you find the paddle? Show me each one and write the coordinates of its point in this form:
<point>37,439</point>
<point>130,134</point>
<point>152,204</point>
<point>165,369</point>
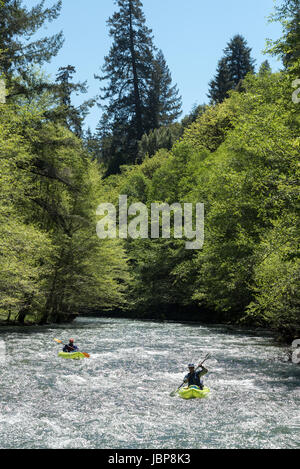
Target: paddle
<point>61,342</point>
<point>173,393</point>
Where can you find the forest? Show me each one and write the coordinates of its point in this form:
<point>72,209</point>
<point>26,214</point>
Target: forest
<point>238,154</point>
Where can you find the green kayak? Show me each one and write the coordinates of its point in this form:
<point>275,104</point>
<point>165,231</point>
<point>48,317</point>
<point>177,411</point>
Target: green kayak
<point>193,392</point>
<point>71,355</point>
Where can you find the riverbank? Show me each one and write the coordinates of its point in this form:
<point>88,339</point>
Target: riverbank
<point>188,315</point>
<point>31,320</point>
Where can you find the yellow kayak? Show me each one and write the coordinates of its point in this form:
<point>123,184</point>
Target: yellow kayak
<point>71,355</point>
<point>193,392</point>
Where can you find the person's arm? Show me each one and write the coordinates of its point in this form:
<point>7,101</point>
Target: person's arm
<point>203,371</point>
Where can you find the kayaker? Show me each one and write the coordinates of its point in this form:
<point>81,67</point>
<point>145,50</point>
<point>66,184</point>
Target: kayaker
<point>70,347</point>
<point>194,377</point>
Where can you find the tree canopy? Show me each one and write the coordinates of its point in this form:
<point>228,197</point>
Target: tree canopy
<point>238,155</point>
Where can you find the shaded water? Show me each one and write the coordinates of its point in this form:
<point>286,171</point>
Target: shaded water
<point>119,398</point>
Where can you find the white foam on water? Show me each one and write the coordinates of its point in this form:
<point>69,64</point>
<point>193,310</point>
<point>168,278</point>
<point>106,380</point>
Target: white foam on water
<point>120,397</point>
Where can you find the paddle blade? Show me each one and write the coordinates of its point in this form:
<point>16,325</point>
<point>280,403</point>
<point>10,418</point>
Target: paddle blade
<point>58,341</point>
<point>86,355</point>
<point>173,393</point>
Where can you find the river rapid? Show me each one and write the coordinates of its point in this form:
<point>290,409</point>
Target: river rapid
<point>120,397</point>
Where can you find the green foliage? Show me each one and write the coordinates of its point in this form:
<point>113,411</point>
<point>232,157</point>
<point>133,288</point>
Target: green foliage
<point>288,46</point>
<point>163,137</point>
<point>239,156</point>
<point>241,159</point>
<point>196,111</point>
<point>211,128</point>
<point>250,186</point>
<point>265,68</point>
<point>52,262</point>
<point>277,280</point>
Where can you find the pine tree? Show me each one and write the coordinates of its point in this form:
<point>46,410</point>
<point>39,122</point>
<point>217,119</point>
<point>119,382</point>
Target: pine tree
<point>232,69</point>
<point>17,26</point>
<point>73,117</point>
<point>221,84</point>
<point>127,69</point>
<point>139,93</point>
<point>238,58</point>
<point>91,144</point>
<point>163,137</point>
<point>265,68</point>
<point>164,100</point>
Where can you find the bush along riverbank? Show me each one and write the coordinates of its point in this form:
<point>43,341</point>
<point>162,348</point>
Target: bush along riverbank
<point>238,155</point>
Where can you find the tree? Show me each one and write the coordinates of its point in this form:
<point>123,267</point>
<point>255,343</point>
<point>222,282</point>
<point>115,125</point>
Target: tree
<point>163,137</point>
<point>232,69</point>
<point>164,101</point>
<point>52,264</point>
<point>92,145</point>
<point>196,111</point>
<point>241,159</point>
<point>238,57</point>
<point>288,46</point>
<point>265,68</point>
<point>221,84</point>
<point>127,69</point>
<point>73,117</point>
<point>139,92</point>
<point>17,26</point>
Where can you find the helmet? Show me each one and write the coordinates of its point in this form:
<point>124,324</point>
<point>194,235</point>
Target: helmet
<point>71,340</point>
<point>191,365</point>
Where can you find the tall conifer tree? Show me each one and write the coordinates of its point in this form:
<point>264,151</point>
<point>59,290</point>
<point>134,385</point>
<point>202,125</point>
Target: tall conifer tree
<point>232,69</point>
<point>17,26</point>
<point>265,68</point>
<point>164,100</point>
<point>127,70</point>
<point>221,84</point>
<point>138,95</point>
<point>72,116</point>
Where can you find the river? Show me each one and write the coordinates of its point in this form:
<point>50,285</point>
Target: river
<point>119,397</point>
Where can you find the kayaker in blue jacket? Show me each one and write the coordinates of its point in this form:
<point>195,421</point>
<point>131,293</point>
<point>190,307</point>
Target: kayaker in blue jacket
<point>70,347</point>
<point>194,377</point>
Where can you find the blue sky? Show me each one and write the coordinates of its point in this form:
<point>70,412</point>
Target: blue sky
<point>191,34</point>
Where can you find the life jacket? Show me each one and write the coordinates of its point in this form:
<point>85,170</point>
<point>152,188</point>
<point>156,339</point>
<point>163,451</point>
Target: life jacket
<point>70,348</point>
<point>194,379</point>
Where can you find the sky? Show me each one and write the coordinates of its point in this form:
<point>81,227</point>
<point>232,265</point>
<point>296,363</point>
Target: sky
<point>192,35</point>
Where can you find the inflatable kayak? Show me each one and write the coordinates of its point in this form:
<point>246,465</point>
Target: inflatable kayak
<point>193,392</point>
<point>71,355</point>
